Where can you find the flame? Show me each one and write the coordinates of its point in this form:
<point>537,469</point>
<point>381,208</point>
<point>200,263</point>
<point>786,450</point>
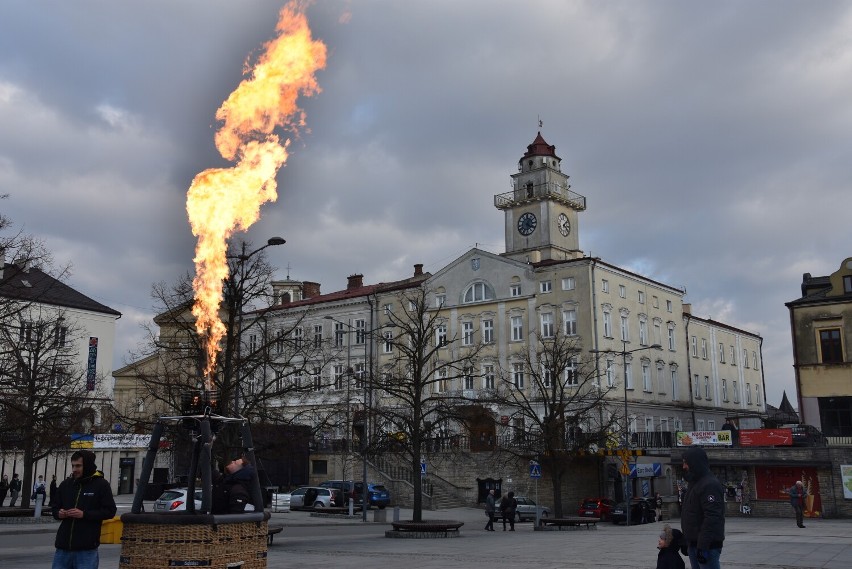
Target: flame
<point>221,201</point>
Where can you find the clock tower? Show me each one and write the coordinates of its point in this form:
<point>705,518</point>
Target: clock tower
<point>541,210</point>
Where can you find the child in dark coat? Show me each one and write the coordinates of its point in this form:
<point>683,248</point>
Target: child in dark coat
<point>670,545</point>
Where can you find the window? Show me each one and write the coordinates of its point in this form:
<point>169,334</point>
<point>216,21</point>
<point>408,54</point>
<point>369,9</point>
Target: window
<point>697,389</point>
<point>515,290</point>
<point>646,376</point>
<point>252,343</point>
<point>736,392</point>
<point>468,378</point>
<point>568,283</point>
<point>694,346</point>
<point>318,336</point>
<point>733,356</point>
<point>672,344</point>
<point>674,383</point>
<point>668,306</point>
<point>441,382</point>
<point>569,319</point>
<point>360,331</point>
<point>721,352</point>
<point>711,425</point>
<point>847,284</point>
<point>546,378</point>
<point>748,393</point>
<point>605,286</point>
<point>757,394</point>
<point>707,391</point>
<point>338,334</point>
<point>61,335</point>
<point>316,378</point>
<point>441,335</point>
<point>358,372</point>
<point>298,337</point>
<point>547,325</point>
<point>607,322</point>
<point>545,287</point>
<point>745,357</point>
<point>628,377</point>
<point>641,297</point>
<point>704,348</point>
<point>518,375</point>
<point>388,343</point>
<point>488,377</point>
<point>488,331</point>
<point>660,382</point>
<point>649,424</point>
<point>830,346</point>
<point>754,360</point>
<point>440,300</point>
<point>700,424</point>
<point>622,291</point>
<point>279,341</point>
<point>571,377</point>
<point>467,333</point>
<point>338,377</point>
<point>725,390</point>
<point>517,328</point>
<point>412,306</point>
<point>658,334</point>
<point>655,302</point>
<point>610,373</point>
<point>625,330</point>
<point>25,332</point>
<point>388,308</point>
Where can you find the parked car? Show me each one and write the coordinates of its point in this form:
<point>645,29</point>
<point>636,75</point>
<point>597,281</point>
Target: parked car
<point>174,500</point>
<point>526,509</point>
<point>807,436</point>
<point>315,497</point>
<point>379,496</point>
<point>641,512</point>
<point>596,508</point>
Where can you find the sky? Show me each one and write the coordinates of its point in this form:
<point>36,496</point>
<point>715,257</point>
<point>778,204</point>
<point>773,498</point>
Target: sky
<point>712,140</point>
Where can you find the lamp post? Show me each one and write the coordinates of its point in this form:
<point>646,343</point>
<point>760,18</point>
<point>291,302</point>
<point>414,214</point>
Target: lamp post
<point>241,261</point>
<point>626,437</point>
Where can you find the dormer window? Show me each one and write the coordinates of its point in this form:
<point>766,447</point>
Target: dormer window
<point>477,292</point>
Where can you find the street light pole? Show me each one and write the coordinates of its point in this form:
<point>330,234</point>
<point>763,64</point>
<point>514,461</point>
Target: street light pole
<point>626,434</point>
<point>241,261</point>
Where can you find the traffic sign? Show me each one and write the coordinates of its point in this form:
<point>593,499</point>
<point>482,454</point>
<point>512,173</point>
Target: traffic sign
<point>535,470</point>
<point>422,468</point>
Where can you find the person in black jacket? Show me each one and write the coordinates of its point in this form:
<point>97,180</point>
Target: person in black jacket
<point>703,516</point>
<point>232,493</point>
<point>82,502</point>
<point>670,545</point>
<point>508,507</point>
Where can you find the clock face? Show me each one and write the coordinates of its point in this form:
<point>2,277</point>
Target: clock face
<point>527,223</point>
<point>563,224</point>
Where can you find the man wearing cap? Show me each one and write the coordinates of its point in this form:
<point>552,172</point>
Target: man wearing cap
<point>703,516</point>
<point>82,502</point>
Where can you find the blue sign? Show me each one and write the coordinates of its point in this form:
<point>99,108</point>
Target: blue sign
<point>535,470</point>
<point>646,470</point>
<point>422,468</point>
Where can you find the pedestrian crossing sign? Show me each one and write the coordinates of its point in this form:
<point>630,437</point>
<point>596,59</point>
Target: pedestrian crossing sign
<point>535,470</point>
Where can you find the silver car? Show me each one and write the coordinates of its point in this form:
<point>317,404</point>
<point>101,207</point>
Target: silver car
<point>526,509</point>
<point>315,497</point>
<point>174,500</point>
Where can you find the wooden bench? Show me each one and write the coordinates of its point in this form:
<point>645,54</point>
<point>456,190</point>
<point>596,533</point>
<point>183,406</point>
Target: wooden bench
<point>426,528</point>
<point>270,533</point>
<point>572,522</point>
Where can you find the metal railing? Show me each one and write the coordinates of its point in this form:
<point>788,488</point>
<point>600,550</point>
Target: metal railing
<point>550,190</point>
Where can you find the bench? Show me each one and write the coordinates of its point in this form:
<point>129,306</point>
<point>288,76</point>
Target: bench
<point>426,528</point>
<point>270,533</point>
<point>572,522</point>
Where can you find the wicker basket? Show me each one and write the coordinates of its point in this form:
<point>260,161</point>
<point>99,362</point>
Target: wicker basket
<point>155,541</point>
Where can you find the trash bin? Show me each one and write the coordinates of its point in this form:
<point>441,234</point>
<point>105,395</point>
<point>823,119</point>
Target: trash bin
<point>111,530</point>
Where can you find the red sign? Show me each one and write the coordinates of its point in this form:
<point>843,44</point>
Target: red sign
<point>504,419</point>
<point>766,437</point>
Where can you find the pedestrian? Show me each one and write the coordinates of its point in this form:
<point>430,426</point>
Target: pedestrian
<point>508,507</point>
<point>671,545</point>
<point>797,500</point>
<point>4,488</point>
<point>489,510</point>
<point>659,504</point>
<point>52,490</point>
<point>39,488</point>
<point>82,503</point>
<point>231,494</point>
<point>14,489</point>
<point>703,518</point>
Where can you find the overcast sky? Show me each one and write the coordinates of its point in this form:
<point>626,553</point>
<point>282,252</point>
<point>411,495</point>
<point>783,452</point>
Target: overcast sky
<point>712,140</point>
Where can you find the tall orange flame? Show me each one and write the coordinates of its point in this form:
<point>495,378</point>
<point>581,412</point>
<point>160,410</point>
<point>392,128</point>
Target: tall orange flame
<point>221,201</point>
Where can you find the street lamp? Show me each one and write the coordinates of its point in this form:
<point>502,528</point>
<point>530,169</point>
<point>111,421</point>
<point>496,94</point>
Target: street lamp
<point>241,261</point>
<point>626,438</point>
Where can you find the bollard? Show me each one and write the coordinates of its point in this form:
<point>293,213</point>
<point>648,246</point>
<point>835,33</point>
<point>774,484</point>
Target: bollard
<point>39,502</point>
<point>396,513</point>
<point>351,506</point>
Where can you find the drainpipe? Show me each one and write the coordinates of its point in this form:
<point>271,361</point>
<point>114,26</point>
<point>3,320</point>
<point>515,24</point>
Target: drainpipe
<point>689,371</point>
<point>795,366</point>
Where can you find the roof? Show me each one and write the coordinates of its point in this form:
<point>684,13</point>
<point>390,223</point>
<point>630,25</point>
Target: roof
<point>540,147</point>
<point>34,285</point>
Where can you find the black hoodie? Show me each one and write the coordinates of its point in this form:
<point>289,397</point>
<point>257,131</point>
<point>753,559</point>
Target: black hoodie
<point>90,493</point>
<point>703,514</point>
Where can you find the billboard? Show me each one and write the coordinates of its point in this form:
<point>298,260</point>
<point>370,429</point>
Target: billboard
<point>704,438</point>
<point>766,437</point>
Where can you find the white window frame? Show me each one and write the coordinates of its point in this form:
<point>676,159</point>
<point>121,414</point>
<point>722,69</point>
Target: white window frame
<point>748,393</point>
<point>569,321</point>
<point>745,358</point>
<point>360,331</point>
<point>488,331</point>
<point>708,392</point>
<point>694,346</point>
<point>736,392</point>
<point>641,297</point>
<point>545,287</point>
<point>515,290</point>
<point>571,377</point>
<point>643,333</point>
<point>625,329</point>
<point>697,389</point>
<point>467,333</point>
<point>724,390</point>
<point>704,348</point>
<point>478,292</point>
<point>605,286</point>
<point>607,322</point>
<point>721,352</point>
<point>646,376</point>
<point>518,375</point>
<point>669,306</point>
<point>387,345</point>
<point>672,338</point>
<point>622,291</point>
<point>609,371</point>
<point>441,335</point>
<point>488,376</point>
<point>569,283</point>
<point>673,375</point>
<point>440,300</point>
<point>547,330</point>
<point>517,323</point>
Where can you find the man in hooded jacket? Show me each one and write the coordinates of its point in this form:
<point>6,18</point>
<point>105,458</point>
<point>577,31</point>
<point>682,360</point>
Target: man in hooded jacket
<point>232,494</point>
<point>82,502</point>
<point>703,514</point>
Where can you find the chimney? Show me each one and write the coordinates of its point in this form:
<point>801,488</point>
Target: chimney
<point>354,281</point>
<point>418,269</point>
<point>310,289</point>
<point>687,308</point>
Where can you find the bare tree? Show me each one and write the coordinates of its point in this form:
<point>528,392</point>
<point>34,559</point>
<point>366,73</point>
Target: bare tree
<point>554,391</point>
<point>415,387</point>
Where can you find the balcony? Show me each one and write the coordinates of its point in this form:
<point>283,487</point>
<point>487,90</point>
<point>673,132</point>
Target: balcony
<point>531,193</point>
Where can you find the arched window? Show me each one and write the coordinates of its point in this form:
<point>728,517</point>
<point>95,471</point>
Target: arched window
<point>478,292</point>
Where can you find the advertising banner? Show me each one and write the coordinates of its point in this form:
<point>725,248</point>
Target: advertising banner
<point>846,477</point>
<point>704,438</point>
<point>774,483</point>
<point>766,437</point>
<point>124,441</point>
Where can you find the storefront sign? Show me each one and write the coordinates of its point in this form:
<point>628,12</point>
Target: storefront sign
<point>646,470</point>
<point>766,437</point>
<point>122,440</point>
<point>704,438</point>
